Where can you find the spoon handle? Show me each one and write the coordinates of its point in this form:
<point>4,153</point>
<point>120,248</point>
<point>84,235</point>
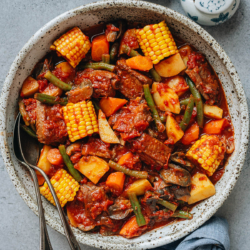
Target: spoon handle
<point>67,229</point>
<point>44,237</point>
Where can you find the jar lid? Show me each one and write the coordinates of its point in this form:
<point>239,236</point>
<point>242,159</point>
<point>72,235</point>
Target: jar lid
<point>213,6</point>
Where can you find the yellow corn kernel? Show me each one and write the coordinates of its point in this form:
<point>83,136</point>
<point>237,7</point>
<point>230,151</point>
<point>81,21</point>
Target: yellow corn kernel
<point>208,152</point>
<point>65,187</point>
<point>73,46</point>
<point>156,41</point>
<point>77,127</point>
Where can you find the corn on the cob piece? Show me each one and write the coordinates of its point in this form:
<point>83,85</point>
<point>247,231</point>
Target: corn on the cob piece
<point>207,152</point>
<point>80,119</point>
<point>73,46</point>
<point>65,187</point>
<point>156,41</point>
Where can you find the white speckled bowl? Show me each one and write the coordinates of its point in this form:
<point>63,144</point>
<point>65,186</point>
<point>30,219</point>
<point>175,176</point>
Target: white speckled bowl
<point>145,12</point>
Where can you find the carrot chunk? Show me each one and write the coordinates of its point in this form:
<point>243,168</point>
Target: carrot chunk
<point>191,134</point>
<point>40,178</point>
<point>54,157</point>
<point>215,127</point>
<point>115,181</point>
<point>100,46</point>
<point>124,158</point>
<point>110,105</point>
<point>140,62</point>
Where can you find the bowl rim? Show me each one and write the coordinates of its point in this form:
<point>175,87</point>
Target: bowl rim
<point>5,150</point>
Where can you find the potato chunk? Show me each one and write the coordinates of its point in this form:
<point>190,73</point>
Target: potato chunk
<point>171,66</point>
<point>106,133</point>
<point>165,98</point>
<point>139,187</point>
<point>30,87</point>
<point>213,111</point>
<point>177,84</point>
<point>185,51</point>
<point>43,162</point>
<point>173,129</point>
<point>92,167</point>
<point>202,188</point>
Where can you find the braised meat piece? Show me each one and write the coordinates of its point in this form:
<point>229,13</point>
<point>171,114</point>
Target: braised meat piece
<point>103,82</point>
<point>131,81</point>
<point>50,125</point>
<point>96,147</point>
<point>151,151</point>
<point>95,200</point>
<point>80,92</point>
<point>131,120</point>
<point>201,73</point>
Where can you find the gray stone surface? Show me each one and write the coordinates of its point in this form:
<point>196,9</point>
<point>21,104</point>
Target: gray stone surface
<point>19,20</point>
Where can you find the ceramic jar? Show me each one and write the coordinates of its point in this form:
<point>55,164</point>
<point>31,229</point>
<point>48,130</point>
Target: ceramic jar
<point>210,12</point>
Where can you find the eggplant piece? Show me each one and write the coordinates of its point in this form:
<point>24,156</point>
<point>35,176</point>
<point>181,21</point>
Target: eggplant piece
<point>181,193</point>
<point>115,30</point>
<point>176,175</point>
<point>47,65</point>
<point>179,157</point>
<point>116,212</point>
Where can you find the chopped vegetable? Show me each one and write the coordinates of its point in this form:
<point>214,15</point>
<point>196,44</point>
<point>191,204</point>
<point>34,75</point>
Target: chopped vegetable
<point>110,105</point>
<point>188,114</point>
<point>43,162</point>
<point>80,119</point>
<point>177,84</point>
<point>185,101</point>
<point>167,204</point>
<point>92,167</point>
<point>165,98</point>
<point>115,181</point>
<point>100,46</point>
<point>151,104</point>
<point>51,100</point>
<point>139,187</point>
<point>215,127</point>
<point>198,102</point>
<point>156,41</point>
<point>69,164</point>
<point>66,46</point>
<point>131,228</point>
<point>171,66</point>
<point>207,152</point>
<point>125,158</point>
<point>174,131</point>
<point>98,65</point>
<point>155,75</point>
<point>60,182</point>
<point>30,87</point>
<point>106,133</point>
<point>106,58</point>
<point>57,82</point>
<point>40,178</point>
<point>137,209</point>
<point>142,63</point>
<point>134,173</point>
<point>202,188</point>
<point>23,112</point>
<point>213,111</point>
<point>114,52</point>
<point>28,130</point>
<point>54,157</point>
<point>182,214</point>
<point>185,51</point>
<point>128,42</point>
<point>191,134</point>
<point>66,71</point>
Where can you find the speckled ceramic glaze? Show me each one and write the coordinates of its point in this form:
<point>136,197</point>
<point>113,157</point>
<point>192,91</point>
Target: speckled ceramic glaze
<point>145,12</point>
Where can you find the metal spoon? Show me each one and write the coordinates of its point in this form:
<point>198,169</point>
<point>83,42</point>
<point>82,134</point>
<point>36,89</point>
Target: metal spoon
<point>28,151</point>
<point>44,237</point>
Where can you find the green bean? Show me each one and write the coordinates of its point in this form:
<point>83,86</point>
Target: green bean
<point>57,82</point>
<point>23,112</point>
<point>98,65</point>
<point>134,173</point>
<point>28,131</point>
<point>96,104</point>
<point>151,104</point>
<point>183,214</point>
<point>167,204</point>
<point>163,118</point>
<point>114,52</point>
<point>69,164</point>
<point>155,75</point>
<point>106,58</point>
<point>188,114</point>
<point>184,101</point>
<point>52,100</point>
<point>137,209</point>
<point>198,102</point>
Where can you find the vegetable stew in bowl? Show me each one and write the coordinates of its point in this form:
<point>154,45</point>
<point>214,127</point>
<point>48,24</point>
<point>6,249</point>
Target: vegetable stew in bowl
<point>135,126</point>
